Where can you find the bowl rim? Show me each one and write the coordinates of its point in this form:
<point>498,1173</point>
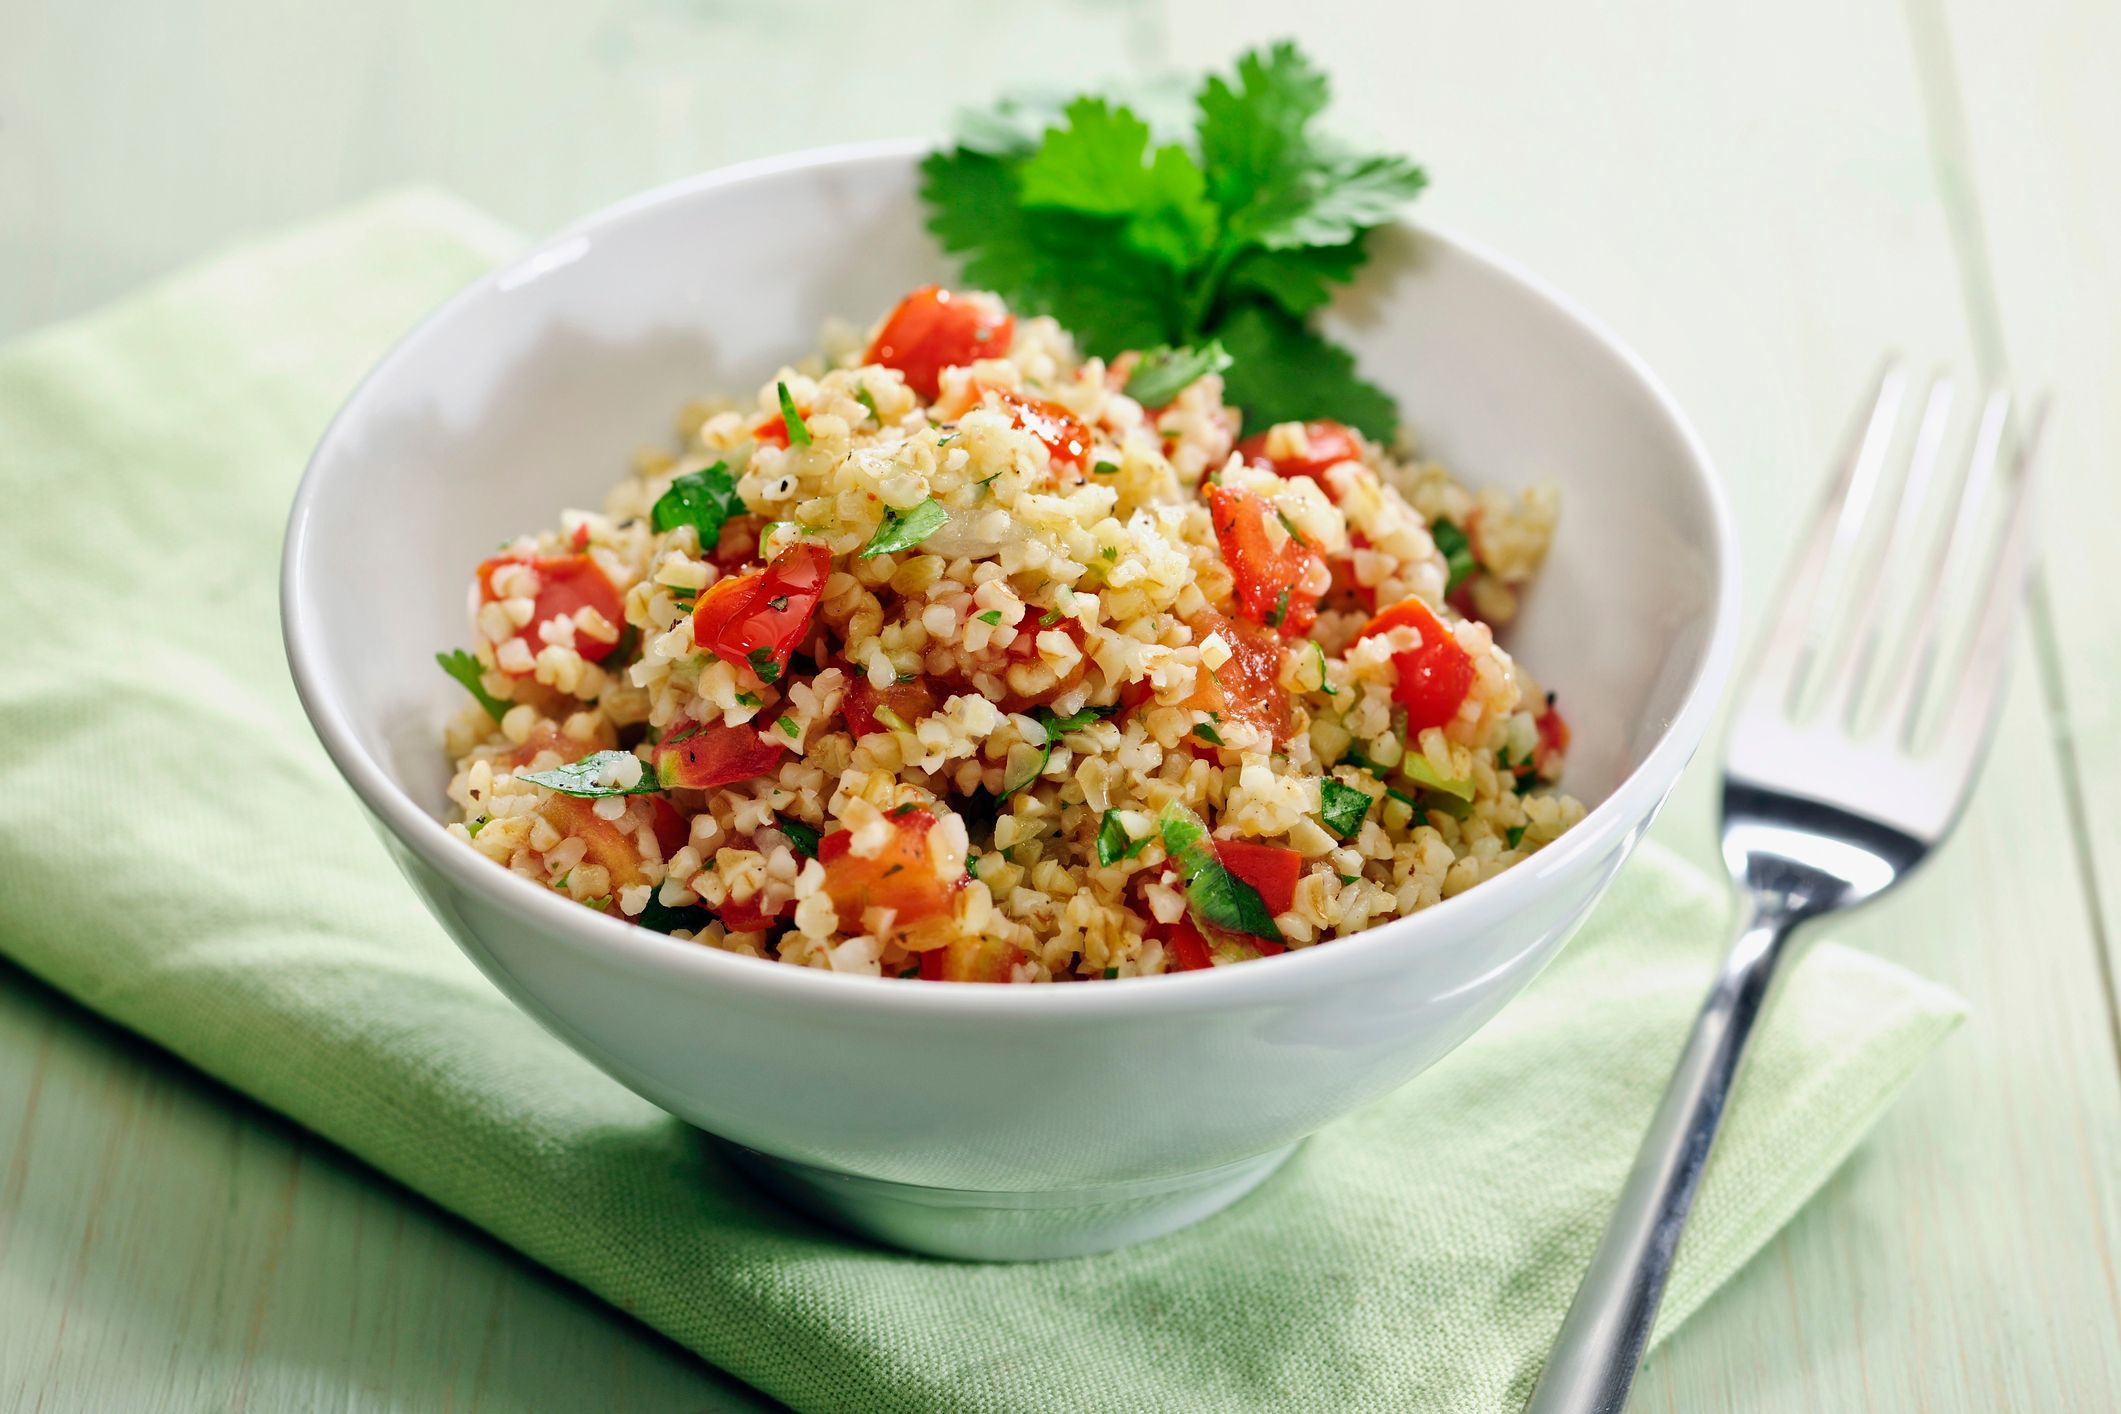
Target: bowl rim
<point>1268,981</point>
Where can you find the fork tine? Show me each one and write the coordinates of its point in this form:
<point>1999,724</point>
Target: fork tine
<point>1977,690</point>
<point>1866,652</point>
<point>1953,560</point>
<point>1776,674</point>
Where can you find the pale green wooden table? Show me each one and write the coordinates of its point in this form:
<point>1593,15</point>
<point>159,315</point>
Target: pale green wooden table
<point>1761,198</point>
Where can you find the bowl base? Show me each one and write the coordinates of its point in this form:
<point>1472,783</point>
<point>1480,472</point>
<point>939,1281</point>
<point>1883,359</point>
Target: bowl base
<point>972,1225</point>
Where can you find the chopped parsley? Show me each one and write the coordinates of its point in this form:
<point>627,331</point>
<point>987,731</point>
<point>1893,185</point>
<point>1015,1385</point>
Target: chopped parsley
<point>902,530</point>
<point>764,664</point>
<point>701,499</point>
<point>1217,896</point>
<point>1342,807</point>
<point>1325,684</point>
<point>1098,469</point>
<point>1281,609</point>
<point>913,971</point>
<point>803,837</point>
<point>1110,552</point>
<point>1110,973</point>
<point>992,616</point>
<point>1165,372</point>
<point>462,666</point>
<point>747,699</point>
<point>1346,878</point>
<point>861,395</point>
<point>1456,547</point>
<point>798,430</point>
<point>1207,733</point>
<point>883,713</point>
<point>1514,836</point>
<point>584,777</point>
<point>972,866</point>
<point>903,811</point>
<point>1113,844</point>
<point>778,603</point>
<point>692,918</point>
<point>787,724</point>
<point>1240,234</point>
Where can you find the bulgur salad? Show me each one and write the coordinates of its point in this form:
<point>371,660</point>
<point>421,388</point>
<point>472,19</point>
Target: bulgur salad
<point>960,655</point>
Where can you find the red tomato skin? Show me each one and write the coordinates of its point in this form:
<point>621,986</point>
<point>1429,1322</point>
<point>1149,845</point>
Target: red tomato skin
<point>1434,678</point>
<point>608,844</point>
<point>1066,440</point>
<point>719,755</point>
<point>672,830</point>
<point>737,617</point>
<point>1187,948</point>
<point>745,916</point>
<point>565,583</point>
<point>901,877</point>
<point>773,432</point>
<point>933,329</point>
<point>1331,444</point>
<point>910,700</point>
<point>1268,581</point>
<point>1271,869</point>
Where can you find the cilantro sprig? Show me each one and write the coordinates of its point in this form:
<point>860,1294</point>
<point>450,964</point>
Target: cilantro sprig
<point>702,499</point>
<point>1237,232</point>
<point>902,530</point>
<point>591,776</point>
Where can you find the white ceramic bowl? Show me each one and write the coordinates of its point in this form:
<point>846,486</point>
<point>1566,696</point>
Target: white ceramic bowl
<point>969,1120</point>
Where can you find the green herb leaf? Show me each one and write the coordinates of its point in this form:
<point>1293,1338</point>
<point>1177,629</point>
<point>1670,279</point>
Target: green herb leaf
<point>803,837</point>
<point>1207,733</point>
<point>902,530</point>
<point>1165,372</point>
<point>1098,163</point>
<point>460,664</point>
<point>861,395</point>
<point>798,430</point>
<point>1456,547</point>
<point>1281,608</point>
<point>1217,896</point>
<point>1113,843</point>
<point>992,616</point>
<point>702,499</point>
<point>1301,280</point>
<point>1514,836</point>
<point>584,777</point>
<point>1325,684</point>
<point>473,827</point>
<point>764,664</point>
<point>1110,973</point>
<point>1099,469</point>
<point>748,699</point>
<point>692,918</point>
<point>1282,371</point>
<point>1057,725</point>
<point>1343,807</point>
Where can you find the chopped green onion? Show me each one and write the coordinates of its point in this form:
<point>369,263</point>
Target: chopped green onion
<point>748,699</point>
<point>861,395</point>
<point>1415,766</point>
<point>762,663</point>
<point>890,718</point>
<point>1207,733</point>
<point>1216,895</point>
<point>1281,609</point>
<point>1100,469</point>
<point>1325,684</point>
<point>787,724</point>
<point>798,430</point>
<point>992,616</point>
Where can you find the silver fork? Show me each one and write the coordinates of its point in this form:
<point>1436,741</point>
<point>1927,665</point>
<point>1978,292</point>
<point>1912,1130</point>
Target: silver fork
<point>1848,760</point>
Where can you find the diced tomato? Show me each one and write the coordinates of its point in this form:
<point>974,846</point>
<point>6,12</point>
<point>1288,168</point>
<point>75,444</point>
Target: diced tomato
<point>970,957</point>
<point>719,755</point>
<point>672,830</point>
<point>1271,869</point>
<point>566,584</point>
<point>909,700</point>
<point>608,844</point>
<point>773,432</point>
<point>933,329</point>
<point>1247,687</point>
<point>745,915</point>
<point>756,620</point>
<point>1434,678</point>
<point>541,739</point>
<point>1188,949</point>
<point>1331,443</point>
<point>580,539</point>
<point>1269,581</point>
<point>1066,440</point>
<point>901,877</point>
<point>1553,733</point>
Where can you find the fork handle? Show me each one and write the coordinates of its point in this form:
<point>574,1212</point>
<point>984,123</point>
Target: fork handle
<point>1602,1338</point>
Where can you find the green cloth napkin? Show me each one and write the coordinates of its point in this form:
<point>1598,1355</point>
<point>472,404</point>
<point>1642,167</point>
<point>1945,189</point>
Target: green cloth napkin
<point>180,856</point>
